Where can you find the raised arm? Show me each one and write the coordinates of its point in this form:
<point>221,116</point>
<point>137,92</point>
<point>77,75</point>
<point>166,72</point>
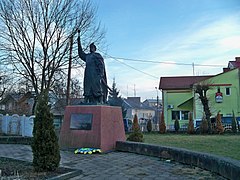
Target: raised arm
<point>81,53</point>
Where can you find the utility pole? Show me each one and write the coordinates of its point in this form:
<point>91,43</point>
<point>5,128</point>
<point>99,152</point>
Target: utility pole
<point>134,90</point>
<point>157,113</point>
<point>69,71</point>
<point>193,69</point>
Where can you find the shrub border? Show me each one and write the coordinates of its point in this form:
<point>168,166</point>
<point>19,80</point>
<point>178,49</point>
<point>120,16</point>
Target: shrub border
<point>226,167</point>
<point>15,140</point>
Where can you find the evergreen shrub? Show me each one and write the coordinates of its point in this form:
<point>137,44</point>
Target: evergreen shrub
<point>162,126</point>
<point>149,125</point>
<point>204,125</point>
<point>219,126</point>
<point>45,148</point>
<point>190,129</point>
<point>234,123</point>
<point>176,124</point>
<point>136,135</point>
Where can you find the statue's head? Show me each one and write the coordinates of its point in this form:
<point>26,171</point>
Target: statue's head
<point>93,48</point>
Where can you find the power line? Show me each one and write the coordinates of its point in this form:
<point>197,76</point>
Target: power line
<point>156,62</point>
<point>132,67</point>
<point>163,62</point>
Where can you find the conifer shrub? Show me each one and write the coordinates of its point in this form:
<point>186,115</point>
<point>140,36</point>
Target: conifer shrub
<point>149,125</point>
<point>204,125</point>
<point>234,123</point>
<point>136,135</point>
<point>135,123</point>
<point>190,129</point>
<point>238,124</point>
<point>45,148</point>
<point>219,126</point>
<point>176,124</point>
<point>162,126</point>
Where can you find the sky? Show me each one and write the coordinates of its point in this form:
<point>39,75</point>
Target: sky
<point>149,39</point>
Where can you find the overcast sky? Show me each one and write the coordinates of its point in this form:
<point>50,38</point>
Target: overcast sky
<point>149,39</point>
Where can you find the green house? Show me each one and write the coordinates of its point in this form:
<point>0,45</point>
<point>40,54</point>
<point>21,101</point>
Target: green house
<point>179,97</point>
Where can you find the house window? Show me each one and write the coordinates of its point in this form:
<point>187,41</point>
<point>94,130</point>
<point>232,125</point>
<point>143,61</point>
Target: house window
<point>175,114</point>
<point>228,91</point>
<point>182,115</point>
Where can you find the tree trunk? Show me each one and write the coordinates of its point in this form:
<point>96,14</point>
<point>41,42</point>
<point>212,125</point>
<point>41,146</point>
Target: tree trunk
<point>206,109</point>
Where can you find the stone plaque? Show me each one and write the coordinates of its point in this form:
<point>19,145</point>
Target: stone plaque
<point>81,121</point>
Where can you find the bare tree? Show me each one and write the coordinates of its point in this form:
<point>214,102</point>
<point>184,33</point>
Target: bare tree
<point>5,82</point>
<point>34,36</point>
<point>59,88</point>
<point>2,91</point>
<point>201,89</point>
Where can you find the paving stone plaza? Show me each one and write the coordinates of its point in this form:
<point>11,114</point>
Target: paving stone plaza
<point>115,165</point>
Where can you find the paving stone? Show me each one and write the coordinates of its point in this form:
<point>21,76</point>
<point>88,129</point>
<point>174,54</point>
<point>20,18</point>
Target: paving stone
<point>115,165</point>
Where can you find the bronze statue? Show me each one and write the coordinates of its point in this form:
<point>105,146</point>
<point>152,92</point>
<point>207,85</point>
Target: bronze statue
<point>95,80</point>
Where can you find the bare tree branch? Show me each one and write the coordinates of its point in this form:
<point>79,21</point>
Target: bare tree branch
<point>34,36</point>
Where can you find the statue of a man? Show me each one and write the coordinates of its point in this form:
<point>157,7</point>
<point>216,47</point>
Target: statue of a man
<point>95,81</point>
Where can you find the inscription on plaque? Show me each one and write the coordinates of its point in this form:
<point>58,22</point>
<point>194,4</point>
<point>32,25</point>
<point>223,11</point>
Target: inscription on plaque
<point>81,121</point>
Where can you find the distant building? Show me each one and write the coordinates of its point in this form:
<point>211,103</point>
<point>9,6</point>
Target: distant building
<point>58,109</point>
<point>234,64</point>
<point>179,97</point>
<point>144,111</point>
<point>17,103</point>
<point>153,103</point>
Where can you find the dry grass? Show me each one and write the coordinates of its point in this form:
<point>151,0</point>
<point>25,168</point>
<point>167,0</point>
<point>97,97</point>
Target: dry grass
<point>224,145</point>
<point>15,169</point>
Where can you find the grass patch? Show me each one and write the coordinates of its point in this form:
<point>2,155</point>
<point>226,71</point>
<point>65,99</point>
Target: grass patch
<point>224,145</point>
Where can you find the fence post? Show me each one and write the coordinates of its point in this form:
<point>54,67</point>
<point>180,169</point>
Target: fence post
<point>1,123</point>
<point>6,122</point>
<point>23,119</point>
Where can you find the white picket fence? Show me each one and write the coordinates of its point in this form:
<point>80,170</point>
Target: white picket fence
<point>16,125</point>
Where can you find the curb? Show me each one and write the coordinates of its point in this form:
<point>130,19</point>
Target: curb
<point>67,175</point>
<point>226,167</point>
<point>15,140</point>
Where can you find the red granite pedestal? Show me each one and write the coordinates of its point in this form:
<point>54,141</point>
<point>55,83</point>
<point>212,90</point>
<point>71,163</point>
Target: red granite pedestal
<point>106,127</point>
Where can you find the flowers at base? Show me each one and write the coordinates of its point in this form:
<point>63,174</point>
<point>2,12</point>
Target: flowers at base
<point>87,151</point>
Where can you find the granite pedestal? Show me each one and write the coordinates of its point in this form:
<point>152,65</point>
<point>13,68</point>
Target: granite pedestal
<point>95,126</point>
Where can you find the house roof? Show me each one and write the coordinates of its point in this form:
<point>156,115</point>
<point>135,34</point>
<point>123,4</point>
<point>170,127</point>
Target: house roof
<point>233,64</point>
<point>180,82</point>
<point>28,95</point>
<point>8,97</point>
<point>132,103</point>
<point>17,97</point>
<point>150,100</point>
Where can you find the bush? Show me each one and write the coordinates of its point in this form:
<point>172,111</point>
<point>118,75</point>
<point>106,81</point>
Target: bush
<point>234,124</point>
<point>176,124</point>
<point>162,126</point>
<point>46,154</point>
<point>190,124</point>
<point>136,135</point>
<point>238,126</point>
<point>149,125</point>
<point>135,123</point>
<point>219,126</point>
<point>204,126</point>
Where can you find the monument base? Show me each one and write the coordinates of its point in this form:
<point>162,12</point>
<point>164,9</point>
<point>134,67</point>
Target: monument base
<point>95,126</point>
